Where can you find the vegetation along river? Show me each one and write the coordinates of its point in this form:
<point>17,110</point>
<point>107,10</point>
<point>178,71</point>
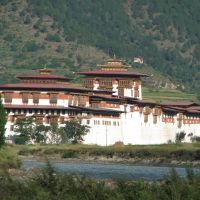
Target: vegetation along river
<point>108,171</point>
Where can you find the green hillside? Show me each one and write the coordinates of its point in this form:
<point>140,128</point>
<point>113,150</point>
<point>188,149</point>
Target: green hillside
<point>66,34</point>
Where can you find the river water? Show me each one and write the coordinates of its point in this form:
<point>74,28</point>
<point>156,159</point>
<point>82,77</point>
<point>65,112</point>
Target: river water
<point>108,171</point>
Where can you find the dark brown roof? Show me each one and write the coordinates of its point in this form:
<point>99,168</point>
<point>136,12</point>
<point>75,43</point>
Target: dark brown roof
<point>194,108</point>
<point>98,110</point>
<point>43,86</point>
<point>113,73</point>
<point>44,76</point>
<point>11,106</point>
<point>181,104</point>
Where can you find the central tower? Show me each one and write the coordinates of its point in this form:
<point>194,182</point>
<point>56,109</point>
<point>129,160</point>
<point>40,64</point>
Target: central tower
<point>114,76</point>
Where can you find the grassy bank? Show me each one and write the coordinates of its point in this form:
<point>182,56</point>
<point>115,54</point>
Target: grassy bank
<point>177,154</point>
<point>161,95</point>
<point>52,185</point>
<point>9,157</point>
<point>152,153</point>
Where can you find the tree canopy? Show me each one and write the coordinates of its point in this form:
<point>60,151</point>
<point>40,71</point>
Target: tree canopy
<point>2,123</point>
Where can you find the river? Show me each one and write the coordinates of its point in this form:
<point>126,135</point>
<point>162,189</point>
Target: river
<point>108,171</point>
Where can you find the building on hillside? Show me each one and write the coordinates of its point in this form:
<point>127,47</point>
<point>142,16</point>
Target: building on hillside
<point>110,102</point>
<point>114,76</point>
<point>138,60</point>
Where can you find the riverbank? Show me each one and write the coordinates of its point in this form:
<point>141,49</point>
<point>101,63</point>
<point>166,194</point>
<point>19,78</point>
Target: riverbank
<point>166,155</point>
<point>155,155</point>
<point>9,157</point>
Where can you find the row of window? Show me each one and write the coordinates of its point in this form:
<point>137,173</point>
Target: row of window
<point>39,81</point>
<point>106,123</point>
<point>106,82</point>
<point>53,98</point>
<point>88,82</point>
<point>41,111</point>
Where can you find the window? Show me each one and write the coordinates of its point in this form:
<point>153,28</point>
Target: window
<point>75,100</point>
<point>53,98</point>
<point>82,100</point>
<point>62,120</point>
<point>70,100</point>
<point>121,91</point>
<point>11,127</point>
<point>88,121</point>
<point>8,97</point>
<point>36,98</point>
<point>25,98</point>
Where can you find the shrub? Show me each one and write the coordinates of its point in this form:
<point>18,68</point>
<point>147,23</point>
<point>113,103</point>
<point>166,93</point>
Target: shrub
<point>69,154</point>
<point>31,46</point>
<point>180,137</point>
<point>53,38</point>
<point>27,19</point>
<point>60,49</point>
<point>195,138</point>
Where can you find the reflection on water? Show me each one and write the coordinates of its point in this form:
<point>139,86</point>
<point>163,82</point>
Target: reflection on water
<point>107,171</point>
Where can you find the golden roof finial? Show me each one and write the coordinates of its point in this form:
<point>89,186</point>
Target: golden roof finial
<point>45,70</point>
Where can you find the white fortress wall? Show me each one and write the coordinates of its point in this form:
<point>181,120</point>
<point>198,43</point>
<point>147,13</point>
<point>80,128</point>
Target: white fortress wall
<point>103,131</point>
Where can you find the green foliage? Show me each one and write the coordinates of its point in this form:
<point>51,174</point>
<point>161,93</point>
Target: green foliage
<point>69,154</point>
<point>60,49</point>
<point>74,132</point>
<point>135,29</point>
<point>2,123</point>
<point>180,137</point>
<point>40,134</point>
<point>198,97</point>
<point>51,185</point>
<point>55,133</point>
<point>164,33</point>
<point>53,38</point>
<point>8,158</point>
<point>31,46</point>
<point>27,19</point>
<point>154,153</point>
<point>24,130</point>
<point>30,132</point>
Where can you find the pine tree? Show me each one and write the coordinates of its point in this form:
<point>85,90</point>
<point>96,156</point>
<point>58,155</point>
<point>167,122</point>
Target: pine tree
<point>2,123</point>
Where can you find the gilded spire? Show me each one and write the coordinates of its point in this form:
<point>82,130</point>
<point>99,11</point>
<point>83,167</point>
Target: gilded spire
<point>114,64</point>
<point>45,70</point>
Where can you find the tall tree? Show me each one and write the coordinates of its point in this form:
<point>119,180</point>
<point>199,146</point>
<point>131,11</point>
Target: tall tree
<point>24,128</point>
<point>2,123</point>
<point>74,132</point>
<point>55,134</point>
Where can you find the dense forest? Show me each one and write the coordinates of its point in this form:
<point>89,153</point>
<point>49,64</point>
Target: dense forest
<point>165,33</point>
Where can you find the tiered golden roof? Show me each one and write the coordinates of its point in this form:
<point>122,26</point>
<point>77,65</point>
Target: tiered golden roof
<point>45,71</point>
<point>114,64</point>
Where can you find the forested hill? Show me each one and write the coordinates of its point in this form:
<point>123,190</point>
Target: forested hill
<point>66,34</point>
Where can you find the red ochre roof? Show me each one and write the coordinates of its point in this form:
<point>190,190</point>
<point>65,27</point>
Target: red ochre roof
<point>44,76</point>
<point>194,108</point>
<point>181,104</point>
<point>112,72</point>
<point>52,86</point>
<point>11,106</point>
<point>182,109</point>
<point>112,111</point>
